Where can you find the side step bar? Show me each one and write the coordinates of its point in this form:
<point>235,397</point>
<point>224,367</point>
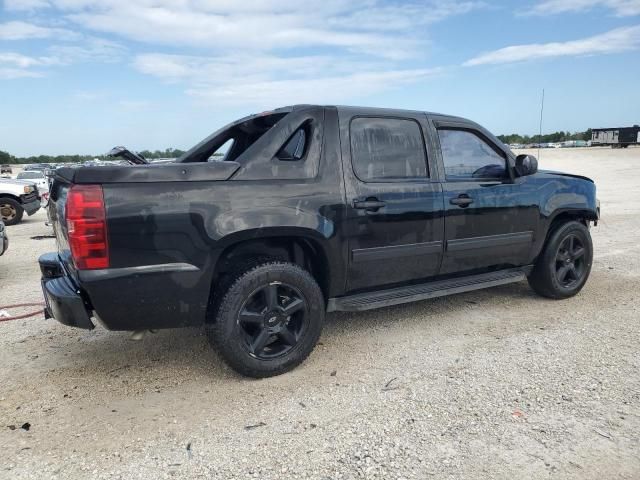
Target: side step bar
<point>423,291</point>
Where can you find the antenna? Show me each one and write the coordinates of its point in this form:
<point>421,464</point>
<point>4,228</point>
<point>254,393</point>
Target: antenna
<point>540,133</point>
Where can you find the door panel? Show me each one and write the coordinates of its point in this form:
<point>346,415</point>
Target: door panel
<point>401,241</point>
<point>395,227</point>
<point>490,219</point>
<point>496,229</point>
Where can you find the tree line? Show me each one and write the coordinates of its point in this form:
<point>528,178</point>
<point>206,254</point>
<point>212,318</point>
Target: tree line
<point>554,137</point>
<point>6,157</point>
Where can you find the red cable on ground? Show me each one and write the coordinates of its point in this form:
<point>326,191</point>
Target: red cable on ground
<point>24,315</point>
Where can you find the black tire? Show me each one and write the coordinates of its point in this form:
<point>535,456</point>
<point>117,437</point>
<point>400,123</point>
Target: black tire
<point>256,329</point>
<point>564,265</point>
<point>10,211</point>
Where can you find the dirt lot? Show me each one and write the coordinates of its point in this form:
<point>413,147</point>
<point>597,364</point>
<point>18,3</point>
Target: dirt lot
<point>494,384</point>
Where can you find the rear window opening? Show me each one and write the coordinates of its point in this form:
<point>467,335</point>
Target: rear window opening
<point>296,146</point>
<point>231,141</point>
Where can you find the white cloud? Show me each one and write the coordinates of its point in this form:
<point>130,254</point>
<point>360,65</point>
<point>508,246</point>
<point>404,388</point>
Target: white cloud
<point>17,30</point>
<point>15,65</point>
<point>13,73</point>
<point>253,47</point>
<point>614,41</point>
<point>25,4</point>
<point>266,81</point>
<point>22,61</point>
<point>360,26</point>
<point>91,49</point>
<point>332,89</point>
<point>620,8</point>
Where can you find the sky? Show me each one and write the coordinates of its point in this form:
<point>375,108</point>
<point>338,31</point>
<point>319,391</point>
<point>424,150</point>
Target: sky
<point>81,76</point>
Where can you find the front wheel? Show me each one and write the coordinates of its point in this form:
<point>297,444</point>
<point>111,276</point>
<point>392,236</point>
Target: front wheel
<point>565,263</point>
<point>10,211</point>
<point>268,320</point>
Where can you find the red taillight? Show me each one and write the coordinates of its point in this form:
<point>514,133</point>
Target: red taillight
<point>87,227</point>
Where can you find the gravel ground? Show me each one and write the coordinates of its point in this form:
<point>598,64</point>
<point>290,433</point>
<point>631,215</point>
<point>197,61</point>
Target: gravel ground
<point>492,384</point>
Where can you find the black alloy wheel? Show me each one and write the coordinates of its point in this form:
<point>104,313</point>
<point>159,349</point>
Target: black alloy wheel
<point>564,264</point>
<point>272,320</point>
<point>267,317</point>
<point>570,261</point>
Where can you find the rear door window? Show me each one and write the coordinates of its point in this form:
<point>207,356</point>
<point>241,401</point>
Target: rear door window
<point>387,149</point>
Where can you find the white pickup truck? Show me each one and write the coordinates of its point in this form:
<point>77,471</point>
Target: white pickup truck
<point>16,198</point>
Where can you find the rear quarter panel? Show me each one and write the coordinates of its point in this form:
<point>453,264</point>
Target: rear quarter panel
<point>181,228</point>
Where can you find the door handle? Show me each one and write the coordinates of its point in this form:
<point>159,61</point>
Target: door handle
<point>371,204</point>
<point>462,201</point>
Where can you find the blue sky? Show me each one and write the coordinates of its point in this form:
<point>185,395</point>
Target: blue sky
<point>80,76</point>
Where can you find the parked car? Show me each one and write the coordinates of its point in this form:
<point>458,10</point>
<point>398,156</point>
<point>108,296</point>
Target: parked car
<point>35,166</point>
<point>36,176</point>
<point>4,238</point>
<point>6,169</point>
<point>16,198</point>
<point>312,209</point>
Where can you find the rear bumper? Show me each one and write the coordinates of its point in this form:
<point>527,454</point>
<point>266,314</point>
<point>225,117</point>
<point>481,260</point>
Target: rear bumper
<point>131,298</point>
<point>62,297</point>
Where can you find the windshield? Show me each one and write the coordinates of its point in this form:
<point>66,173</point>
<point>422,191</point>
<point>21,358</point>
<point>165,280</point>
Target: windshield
<point>30,175</point>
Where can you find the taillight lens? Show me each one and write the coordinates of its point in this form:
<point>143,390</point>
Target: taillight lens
<point>87,227</point>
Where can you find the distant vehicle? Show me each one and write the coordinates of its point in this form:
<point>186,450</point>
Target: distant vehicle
<point>4,238</point>
<point>5,169</point>
<point>38,176</point>
<point>17,197</point>
<point>615,137</point>
<point>312,209</point>
<point>35,166</point>
<point>574,143</point>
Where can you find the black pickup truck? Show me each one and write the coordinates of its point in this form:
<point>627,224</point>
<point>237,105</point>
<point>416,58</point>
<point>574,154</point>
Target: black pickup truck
<point>310,209</point>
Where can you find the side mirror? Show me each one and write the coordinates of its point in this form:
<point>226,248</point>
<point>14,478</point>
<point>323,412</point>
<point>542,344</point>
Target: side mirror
<point>526,165</point>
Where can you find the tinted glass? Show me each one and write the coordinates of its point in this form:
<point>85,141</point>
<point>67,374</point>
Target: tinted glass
<point>30,175</point>
<point>384,149</point>
<point>467,156</point>
<point>294,148</point>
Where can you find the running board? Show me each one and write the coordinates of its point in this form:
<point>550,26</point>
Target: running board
<point>423,291</point>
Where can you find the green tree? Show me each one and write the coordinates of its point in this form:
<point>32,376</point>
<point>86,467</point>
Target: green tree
<point>5,157</point>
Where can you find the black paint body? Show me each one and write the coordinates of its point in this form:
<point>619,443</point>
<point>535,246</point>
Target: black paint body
<point>169,225</point>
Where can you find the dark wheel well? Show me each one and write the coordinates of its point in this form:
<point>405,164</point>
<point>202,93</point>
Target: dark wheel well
<point>304,252</point>
<point>12,197</point>
<point>562,219</point>
<point>567,217</point>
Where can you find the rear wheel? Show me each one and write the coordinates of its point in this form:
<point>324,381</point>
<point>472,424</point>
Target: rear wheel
<point>268,319</point>
<point>565,263</point>
<point>10,211</point>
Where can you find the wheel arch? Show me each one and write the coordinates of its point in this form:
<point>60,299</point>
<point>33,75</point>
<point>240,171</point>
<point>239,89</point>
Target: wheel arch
<point>561,217</point>
<point>12,197</point>
<point>301,246</point>
<point>581,215</point>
